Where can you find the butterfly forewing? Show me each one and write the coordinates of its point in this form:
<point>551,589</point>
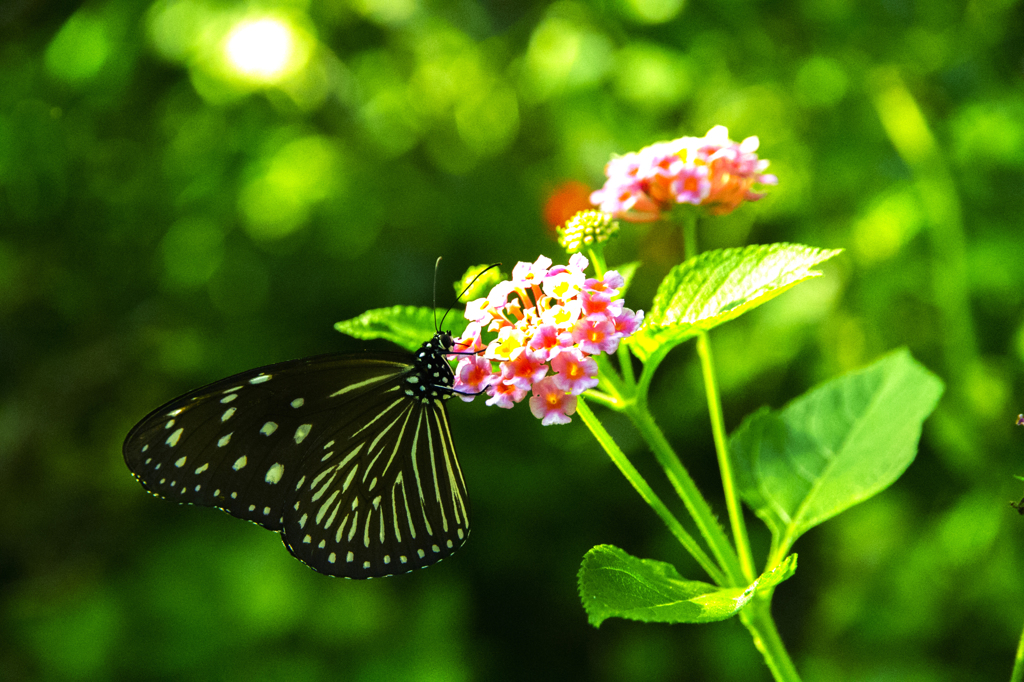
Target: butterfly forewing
<point>350,457</point>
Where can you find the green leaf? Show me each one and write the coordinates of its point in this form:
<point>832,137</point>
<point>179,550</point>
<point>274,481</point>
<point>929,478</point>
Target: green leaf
<point>833,447</point>
<point>613,583</point>
<point>407,326</point>
<point>717,286</point>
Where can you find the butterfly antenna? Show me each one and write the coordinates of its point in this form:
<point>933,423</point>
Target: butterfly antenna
<point>437,264</point>
<point>468,286</point>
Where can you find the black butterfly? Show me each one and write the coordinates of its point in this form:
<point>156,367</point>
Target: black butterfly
<point>348,456</point>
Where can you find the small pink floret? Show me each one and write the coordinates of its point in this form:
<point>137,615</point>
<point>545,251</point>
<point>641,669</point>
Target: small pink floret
<point>550,404</point>
<point>504,395</point>
<point>576,373</point>
<point>595,336</point>
<point>473,376</point>
<point>523,368</point>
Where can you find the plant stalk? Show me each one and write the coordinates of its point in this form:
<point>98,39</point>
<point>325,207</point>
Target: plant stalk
<point>649,496</point>
<point>688,493</point>
<point>732,501</point>
<point>1018,662</point>
<point>757,618</point>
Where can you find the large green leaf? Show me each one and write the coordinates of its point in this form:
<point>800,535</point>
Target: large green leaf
<point>717,286</point>
<point>613,583</point>
<point>833,447</point>
<point>407,326</point>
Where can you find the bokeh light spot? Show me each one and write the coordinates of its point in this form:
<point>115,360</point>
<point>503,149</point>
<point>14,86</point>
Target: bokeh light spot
<point>489,124</point>
<point>79,50</point>
<point>652,11</point>
<point>175,27</point>
<point>887,226</point>
<point>821,82</point>
<point>387,11</point>
<point>652,76</point>
<point>565,53</point>
<point>279,199</point>
<point>260,49</point>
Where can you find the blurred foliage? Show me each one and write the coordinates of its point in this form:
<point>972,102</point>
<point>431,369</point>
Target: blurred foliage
<point>190,188</point>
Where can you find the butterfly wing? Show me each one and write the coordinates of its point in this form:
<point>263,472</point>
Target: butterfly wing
<point>357,472</point>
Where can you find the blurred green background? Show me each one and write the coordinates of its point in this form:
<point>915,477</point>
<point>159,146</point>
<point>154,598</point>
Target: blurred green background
<point>191,188</point>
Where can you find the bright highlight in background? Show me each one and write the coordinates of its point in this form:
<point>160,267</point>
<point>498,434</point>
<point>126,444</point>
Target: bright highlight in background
<point>261,50</point>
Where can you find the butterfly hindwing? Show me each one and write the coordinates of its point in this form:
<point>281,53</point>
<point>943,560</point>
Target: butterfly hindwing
<point>349,456</point>
<point>395,501</point>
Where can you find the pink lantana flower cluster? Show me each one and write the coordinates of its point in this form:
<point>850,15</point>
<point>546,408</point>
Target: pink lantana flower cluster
<point>710,171</point>
<point>550,321</point>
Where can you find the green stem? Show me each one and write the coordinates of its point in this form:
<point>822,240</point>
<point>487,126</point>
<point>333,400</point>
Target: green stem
<point>596,256</point>
<point>687,217</point>
<point>757,618</point>
<point>1018,662</point>
<point>609,401</point>
<point>688,492</point>
<point>732,500</point>
<point>626,365</point>
<point>649,496</point>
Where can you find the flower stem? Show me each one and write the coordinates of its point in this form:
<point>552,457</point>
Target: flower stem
<point>1018,662</point>
<point>688,492</point>
<point>596,255</point>
<point>687,216</point>
<point>757,618</point>
<point>732,501</point>
<point>649,496</point>
<point>626,364</point>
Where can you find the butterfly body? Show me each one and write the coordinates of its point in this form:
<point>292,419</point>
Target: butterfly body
<point>348,456</point>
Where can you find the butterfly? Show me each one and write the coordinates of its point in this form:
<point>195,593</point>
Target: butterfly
<point>348,456</point>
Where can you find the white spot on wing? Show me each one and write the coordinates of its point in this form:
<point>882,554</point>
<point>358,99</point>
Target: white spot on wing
<point>268,428</point>
<point>239,464</point>
<point>260,379</point>
<point>302,432</point>
<point>298,402</point>
<point>275,472</point>
<point>180,462</point>
<point>172,439</point>
<point>224,441</point>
